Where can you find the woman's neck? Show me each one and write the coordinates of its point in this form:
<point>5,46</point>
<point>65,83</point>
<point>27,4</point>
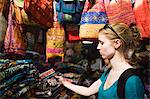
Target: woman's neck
<point>118,62</point>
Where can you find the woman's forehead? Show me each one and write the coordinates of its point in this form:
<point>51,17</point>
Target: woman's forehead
<point>101,36</point>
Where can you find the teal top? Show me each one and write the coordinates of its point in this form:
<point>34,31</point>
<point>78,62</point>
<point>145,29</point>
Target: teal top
<point>134,89</point>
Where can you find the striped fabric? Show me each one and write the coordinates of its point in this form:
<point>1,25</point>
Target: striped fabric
<point>92,19</point>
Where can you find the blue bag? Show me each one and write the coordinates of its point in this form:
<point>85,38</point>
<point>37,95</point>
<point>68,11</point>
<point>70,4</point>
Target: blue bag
<point>69,10</point>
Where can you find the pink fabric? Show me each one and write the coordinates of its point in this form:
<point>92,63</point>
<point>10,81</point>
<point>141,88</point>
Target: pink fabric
<point>97,7</point>
<point>55,50</point>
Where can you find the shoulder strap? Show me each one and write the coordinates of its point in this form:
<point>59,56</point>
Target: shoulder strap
<point>122,81</point>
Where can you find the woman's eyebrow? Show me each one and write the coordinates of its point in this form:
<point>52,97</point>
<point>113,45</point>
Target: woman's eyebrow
<point>100,41</point>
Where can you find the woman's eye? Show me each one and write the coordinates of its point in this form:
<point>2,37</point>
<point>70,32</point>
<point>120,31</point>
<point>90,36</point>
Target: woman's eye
<point>101,42</point>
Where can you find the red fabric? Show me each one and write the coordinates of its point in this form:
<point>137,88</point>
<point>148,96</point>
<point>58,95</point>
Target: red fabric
<point>72,31</point>
<point>41,11</point>
<point>142,15</point>
<point>119,11</point>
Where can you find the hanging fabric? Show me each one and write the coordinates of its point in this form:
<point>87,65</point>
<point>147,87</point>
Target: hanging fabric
<point>142,15</point>
<point>93,18</point>
<point>69,11</point>
<point>119,11</point>
<point>20,14</point>
<point>3,28</point>
<point>41,11</point>
<point>14,40</point>
<point>55,38</point>
<point>5,10</point>
<point>3,24</point>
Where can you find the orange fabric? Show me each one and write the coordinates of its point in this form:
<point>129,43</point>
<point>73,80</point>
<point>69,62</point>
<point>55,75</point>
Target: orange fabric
<point>142,15</point>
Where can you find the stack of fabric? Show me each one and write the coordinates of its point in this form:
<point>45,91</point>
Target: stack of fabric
<point>16,77</point>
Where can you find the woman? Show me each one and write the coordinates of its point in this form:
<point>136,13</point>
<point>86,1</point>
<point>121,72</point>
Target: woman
<point>114,43</point>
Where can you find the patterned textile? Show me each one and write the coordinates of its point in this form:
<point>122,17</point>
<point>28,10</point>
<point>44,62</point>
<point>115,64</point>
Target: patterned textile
<point>47,73</point>
<point>21,17</point>
<point>92,19</point>
<point>142,15</point>
<point>4,64</point>
<point>55,37</point>
<point>19,78</point>
<point>119,11</point>
<point>8,72</point>
<point>14,41</point>
<point>41,11</point>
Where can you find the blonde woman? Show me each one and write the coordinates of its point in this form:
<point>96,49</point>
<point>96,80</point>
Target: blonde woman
<point>114,43</point>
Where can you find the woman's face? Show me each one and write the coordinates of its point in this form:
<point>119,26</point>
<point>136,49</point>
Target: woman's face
<point>106,47</point>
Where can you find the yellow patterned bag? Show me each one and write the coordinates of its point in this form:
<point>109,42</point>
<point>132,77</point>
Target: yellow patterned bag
<point>55,38</point>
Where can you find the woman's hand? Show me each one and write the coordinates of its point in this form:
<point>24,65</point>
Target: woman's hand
<point>63,80</point>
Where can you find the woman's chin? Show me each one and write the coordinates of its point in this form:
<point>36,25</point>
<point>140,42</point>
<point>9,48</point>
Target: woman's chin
<point>103,57</point>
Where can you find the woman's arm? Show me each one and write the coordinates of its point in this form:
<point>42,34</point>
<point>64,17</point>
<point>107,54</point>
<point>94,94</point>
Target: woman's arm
<point>85,91</point>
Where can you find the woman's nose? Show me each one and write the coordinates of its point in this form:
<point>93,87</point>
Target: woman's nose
<point>98,46</point>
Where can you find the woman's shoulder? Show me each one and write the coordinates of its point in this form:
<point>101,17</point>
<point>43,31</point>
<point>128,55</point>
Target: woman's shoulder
<point>134,87</point>
<point>134,82</point>
<point>134,79</point>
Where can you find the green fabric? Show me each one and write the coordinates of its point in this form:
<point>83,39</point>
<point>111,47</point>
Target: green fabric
<point>134,89</point>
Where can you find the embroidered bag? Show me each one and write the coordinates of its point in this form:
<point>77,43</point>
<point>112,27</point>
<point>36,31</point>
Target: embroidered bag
<point>41,11</point>
<point>92,19</point>
<point>142,15</point>
<point>119,11</point>
<point>55,38</point>
<point>14,41</point>
<point>69,10</point>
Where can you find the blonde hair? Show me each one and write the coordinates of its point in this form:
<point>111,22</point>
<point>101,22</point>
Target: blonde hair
<point>124,33</point>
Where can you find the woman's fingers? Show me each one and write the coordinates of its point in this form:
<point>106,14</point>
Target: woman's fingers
<point>63,80</point>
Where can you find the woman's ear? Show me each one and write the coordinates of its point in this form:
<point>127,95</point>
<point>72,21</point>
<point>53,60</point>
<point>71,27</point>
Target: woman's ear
<point>117,43</point>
